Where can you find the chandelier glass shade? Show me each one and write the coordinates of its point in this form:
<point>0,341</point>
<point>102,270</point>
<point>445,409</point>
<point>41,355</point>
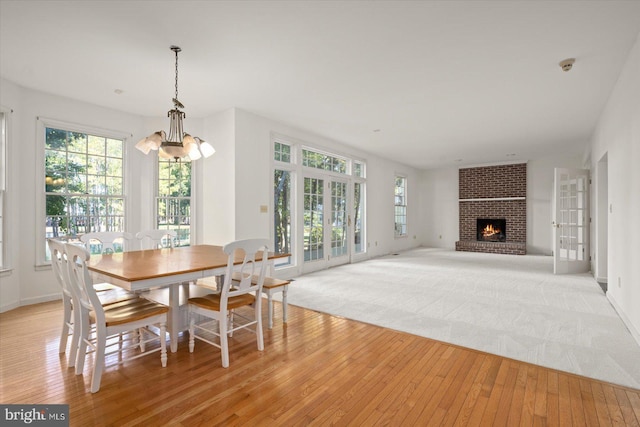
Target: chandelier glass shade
<point>178,145</point>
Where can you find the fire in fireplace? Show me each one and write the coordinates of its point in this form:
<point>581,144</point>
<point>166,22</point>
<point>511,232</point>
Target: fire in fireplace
<point>491,230</point>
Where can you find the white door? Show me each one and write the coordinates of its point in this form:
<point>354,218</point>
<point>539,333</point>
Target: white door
<point>571,222</point>
<point>325,223</point>
<point>338,224</point>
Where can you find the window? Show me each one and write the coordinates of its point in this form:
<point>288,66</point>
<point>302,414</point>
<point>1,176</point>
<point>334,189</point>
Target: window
<point>84,183</point>
<point>3,189</point>
<point>282,152</point>
<point>314,159</point>
<point>282,211</point>
<point>358,169</point>
<point>401,206</point>
<point>173,204</point>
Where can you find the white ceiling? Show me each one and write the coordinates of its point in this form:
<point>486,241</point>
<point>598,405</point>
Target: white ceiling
<point>446,82</point>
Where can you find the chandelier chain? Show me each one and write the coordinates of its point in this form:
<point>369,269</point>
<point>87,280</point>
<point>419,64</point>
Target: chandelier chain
<point>176,74</point>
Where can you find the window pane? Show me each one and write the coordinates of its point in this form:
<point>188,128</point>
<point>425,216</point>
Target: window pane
<point>97,165</point>
<point>114,185</point>
<point>96,145</point>
<point>76,142</point>
<point>358,169</point>
<point>55,139</point>
<point>114,148</point>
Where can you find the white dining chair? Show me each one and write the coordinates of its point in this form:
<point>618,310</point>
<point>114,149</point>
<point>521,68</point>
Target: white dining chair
<point>59,266</point>
<point>108,241</point>
<point>157,238</point>
<point>223,307</point>
<point>111,320</point>
<point>70,316</point>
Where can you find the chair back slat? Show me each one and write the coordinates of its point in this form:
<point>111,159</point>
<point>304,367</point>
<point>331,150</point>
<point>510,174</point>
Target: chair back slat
<point>81,282</point>
<point>59,265</point>
<point>247,249</point>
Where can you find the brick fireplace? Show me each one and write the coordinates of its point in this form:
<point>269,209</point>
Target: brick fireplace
<point>496,197</point>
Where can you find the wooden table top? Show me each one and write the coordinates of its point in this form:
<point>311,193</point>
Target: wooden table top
<point>148,264</point>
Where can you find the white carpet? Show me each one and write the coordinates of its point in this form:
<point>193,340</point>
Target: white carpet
<point>508,305</point>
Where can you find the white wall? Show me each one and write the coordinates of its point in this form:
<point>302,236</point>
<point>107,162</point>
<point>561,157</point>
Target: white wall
<point>439,208</point>
<point>28,283</point>
<point>216,197</point>
<point>617,135</point>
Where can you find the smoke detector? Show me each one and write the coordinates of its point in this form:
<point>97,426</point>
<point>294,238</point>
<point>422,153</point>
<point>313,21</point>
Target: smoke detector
<point>567,64</point>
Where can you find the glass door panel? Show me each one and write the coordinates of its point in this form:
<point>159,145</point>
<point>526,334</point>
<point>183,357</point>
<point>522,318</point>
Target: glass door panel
<point>358,212</point>
<point>313,234</point>
<point>339,223</point>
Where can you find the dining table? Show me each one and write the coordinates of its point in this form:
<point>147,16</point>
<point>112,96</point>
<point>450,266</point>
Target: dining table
<point>144,270</point>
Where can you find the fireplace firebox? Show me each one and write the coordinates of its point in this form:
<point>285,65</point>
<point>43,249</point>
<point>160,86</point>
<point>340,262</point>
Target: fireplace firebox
<point>491,230</point>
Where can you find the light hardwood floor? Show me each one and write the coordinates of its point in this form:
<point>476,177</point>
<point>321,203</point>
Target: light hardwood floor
<point>317,370</point>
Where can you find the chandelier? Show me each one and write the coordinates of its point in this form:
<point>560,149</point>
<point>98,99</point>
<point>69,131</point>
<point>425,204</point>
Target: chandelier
<point>179,145</point>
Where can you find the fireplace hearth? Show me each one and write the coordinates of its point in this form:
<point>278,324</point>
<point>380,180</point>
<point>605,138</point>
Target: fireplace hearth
<point>491,230</point>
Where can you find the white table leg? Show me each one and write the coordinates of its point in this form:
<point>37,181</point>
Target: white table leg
<point>284,303</point>
<point>174,315</point>
<point>270,309</point>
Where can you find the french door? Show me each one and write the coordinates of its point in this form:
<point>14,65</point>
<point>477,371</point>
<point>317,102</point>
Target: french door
<point>326,228</point>
<point>571,222</point>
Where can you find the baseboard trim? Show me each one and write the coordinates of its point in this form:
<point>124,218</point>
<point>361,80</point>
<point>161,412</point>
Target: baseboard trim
<point>29,301</point>
<point>634,332</point>
<point>8,307</point>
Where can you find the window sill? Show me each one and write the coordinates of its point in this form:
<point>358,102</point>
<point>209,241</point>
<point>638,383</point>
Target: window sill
<point>4,272</point>
<point>42,267</point>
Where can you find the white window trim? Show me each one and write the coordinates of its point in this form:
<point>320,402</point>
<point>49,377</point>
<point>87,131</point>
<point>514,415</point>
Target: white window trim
<point>42,123</point>
<point>294,168</point>
<point>5,181</point>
